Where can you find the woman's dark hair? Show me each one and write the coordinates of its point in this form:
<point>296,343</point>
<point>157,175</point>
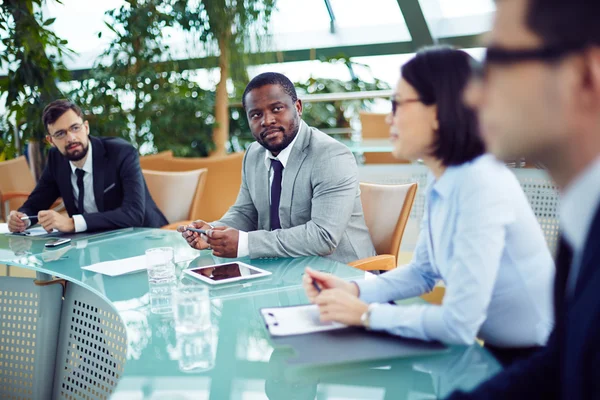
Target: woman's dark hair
<point>440,75</point>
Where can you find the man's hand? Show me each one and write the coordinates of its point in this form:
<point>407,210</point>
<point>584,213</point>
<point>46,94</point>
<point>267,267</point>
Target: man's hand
<point>194,239</point>
<point>223,240</point>
<point>15,224</point>
<point>340,306</point>
<point>50,220</point>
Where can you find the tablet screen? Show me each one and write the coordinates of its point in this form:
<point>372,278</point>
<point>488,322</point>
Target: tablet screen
<point>225,271</point>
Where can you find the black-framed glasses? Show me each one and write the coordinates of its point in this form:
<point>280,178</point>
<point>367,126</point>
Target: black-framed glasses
<point>75,128</point>
<point>399,103</point>
<point>502,56</point>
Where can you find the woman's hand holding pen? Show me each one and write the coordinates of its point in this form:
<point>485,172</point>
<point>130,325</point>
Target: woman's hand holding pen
<point>337,299</point>
<point>314,282</point>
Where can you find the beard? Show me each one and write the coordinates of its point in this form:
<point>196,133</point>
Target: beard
<point>288,137</point>
<point>79,154</point>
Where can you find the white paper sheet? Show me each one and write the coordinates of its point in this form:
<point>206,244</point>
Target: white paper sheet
<point>35,231</point>
<point>287,321</point>
<point>126,265</point>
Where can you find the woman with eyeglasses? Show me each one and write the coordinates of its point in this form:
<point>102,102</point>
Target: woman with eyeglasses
<point>478,236</point>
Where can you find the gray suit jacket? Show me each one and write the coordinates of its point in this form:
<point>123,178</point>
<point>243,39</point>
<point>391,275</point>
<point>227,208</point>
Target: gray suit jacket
<point>320,209</point>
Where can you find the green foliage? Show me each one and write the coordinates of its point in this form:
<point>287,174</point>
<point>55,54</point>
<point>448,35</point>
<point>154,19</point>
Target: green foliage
<point>33,57</point>
<point>336,114</point>
<point>135,89</point>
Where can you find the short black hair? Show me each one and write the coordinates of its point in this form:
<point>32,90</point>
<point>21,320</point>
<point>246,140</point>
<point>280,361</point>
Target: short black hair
<point>440,74</point>
<point>565,22</point>
<point>56,109</point>
<point>270,78</point>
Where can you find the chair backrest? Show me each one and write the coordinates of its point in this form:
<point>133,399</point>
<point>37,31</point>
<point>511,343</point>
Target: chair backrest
<point>374,127</point>
<point>543,197</point>
<point>177,194</point>
<point>167,154</point>
<point>222,183</point>
<point>29,319</point>
<point>386,209</point>
<point>15,176</point>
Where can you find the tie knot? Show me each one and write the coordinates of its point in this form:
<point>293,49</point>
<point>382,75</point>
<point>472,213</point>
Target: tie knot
<point>79,172</point>
<point>276,165</point>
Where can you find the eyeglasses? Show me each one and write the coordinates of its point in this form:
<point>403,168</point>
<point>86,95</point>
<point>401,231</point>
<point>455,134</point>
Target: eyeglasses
<point>502,56</point>
<point>75,128</point>
<point>399,103</point>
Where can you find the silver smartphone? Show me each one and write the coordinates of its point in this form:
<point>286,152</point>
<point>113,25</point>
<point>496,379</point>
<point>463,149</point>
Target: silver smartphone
<point>57,242</point>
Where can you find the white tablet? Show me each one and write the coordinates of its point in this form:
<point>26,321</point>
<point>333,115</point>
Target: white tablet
<point>218,274</point>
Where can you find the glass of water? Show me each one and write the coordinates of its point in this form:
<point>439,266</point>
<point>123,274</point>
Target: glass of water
<point>193,328</point>
<point>161,278</point>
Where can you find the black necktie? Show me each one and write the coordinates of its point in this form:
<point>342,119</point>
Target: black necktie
<point>79,172</point>
<point>276,193</point>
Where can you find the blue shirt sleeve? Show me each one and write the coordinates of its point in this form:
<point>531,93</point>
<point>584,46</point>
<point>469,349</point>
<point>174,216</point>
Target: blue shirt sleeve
<point>470,273</point>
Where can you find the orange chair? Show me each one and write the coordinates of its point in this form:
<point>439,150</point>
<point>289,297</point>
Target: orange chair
<point>16,182</point>
<point>386,209</point>
<point>167,154</point>
<point>375,127</point>
<point>222,183</point>
<point>177,194</point>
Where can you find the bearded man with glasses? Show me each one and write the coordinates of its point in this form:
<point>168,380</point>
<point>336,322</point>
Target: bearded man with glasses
<point>99,180</point>
<point>538,96</point>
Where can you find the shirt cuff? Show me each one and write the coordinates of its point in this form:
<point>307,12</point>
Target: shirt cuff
<point>243,250</point>
<point>369,291</point>
<point>405,321</point>
<point>80,224</point>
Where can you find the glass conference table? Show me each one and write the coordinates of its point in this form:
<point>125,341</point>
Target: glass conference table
<point>241,361</point>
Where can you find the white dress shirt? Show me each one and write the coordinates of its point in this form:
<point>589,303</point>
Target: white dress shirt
<point>579,204</point>
<point>480,236</point>
<point>283,157</point>
<point>89,201</point>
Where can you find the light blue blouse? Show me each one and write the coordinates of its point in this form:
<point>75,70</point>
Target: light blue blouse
<point>480,236</point>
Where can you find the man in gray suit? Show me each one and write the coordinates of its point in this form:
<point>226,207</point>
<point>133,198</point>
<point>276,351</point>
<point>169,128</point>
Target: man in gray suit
<point>299,195</point>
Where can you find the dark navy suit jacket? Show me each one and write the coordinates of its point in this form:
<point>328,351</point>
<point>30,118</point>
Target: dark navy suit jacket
<point>120,190</point>
<point>569,366</point>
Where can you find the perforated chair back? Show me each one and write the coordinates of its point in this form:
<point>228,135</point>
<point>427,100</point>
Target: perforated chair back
<point>29,319</point>
<point>387,209</point>
<point>92,347</point>
<point>543,197</point>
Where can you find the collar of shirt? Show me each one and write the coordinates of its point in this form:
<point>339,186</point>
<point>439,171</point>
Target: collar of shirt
<point>579,203</point>
<point>87,167</point>
<point>446,183</point>
<point>284,154</point>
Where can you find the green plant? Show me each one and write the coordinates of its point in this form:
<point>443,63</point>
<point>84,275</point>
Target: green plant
<point>33,56</point>
<point>136,91</point>
<point>231,29</point>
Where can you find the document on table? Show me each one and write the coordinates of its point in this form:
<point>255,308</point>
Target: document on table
<point>35,231</point>
<point>297,320</point>
<point>126,265</point>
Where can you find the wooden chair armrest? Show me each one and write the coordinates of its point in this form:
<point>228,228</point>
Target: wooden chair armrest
<point>436,296</point>
<point>173,226</point>
<point>13,195</point>
<point>383,262</point>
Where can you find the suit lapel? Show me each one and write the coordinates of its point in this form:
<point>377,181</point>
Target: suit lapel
<point>98,163</point>
<point>65,185</point>
<point>290,172</point>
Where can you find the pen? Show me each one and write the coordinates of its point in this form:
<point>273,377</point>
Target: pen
<point>25,218</point>
<point>201,231</point>
<point>314,283</point>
